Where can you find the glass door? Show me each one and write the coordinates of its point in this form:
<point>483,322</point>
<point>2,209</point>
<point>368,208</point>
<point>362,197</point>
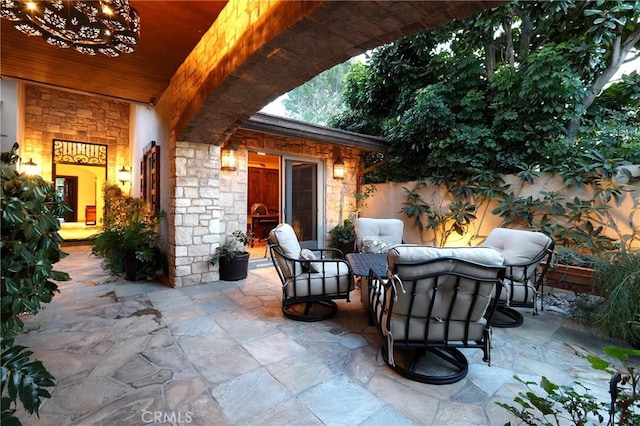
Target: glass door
<point>302,201</point>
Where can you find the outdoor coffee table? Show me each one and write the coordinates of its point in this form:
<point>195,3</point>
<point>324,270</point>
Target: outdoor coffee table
<point>362,262</point>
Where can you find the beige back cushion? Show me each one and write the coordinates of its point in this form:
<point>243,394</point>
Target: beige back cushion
<point>449,263</point>
<point>517,246</point>
<point>388,231</point>
<point>284,237</point>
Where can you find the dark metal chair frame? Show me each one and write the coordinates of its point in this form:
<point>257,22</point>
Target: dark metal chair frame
<point>314,307</point>
<point>382,304</point>
<point>509,317</point>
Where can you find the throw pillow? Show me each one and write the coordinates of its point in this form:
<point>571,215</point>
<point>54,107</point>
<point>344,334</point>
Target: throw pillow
<point>306,254</point>
<point>374,246</point>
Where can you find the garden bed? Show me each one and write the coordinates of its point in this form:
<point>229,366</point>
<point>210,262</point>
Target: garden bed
<point>574,278</point>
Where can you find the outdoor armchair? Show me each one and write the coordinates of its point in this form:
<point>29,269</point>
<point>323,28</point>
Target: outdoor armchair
<point>434,301</point>
<point>524,277</point>
<point>311,279</point>
<point>376,236</point>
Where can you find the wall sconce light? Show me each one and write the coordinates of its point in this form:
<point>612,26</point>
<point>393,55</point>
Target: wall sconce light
<point>124,175</point>
<point>338,169</point>
<point>30,167</point>
<point>228,159</point>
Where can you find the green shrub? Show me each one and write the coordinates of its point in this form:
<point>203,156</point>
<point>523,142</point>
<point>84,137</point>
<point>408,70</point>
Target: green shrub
<point>618,277</point>
<point>343,234</point>
<point>129,229</point>
<point>557,405</point>
<point>29,248</point>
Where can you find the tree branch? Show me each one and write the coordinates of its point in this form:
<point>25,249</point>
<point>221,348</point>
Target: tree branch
<point>618,57</point>
<point>632,58</point>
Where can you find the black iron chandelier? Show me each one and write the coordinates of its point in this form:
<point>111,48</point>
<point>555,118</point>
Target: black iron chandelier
<point>110,27</point>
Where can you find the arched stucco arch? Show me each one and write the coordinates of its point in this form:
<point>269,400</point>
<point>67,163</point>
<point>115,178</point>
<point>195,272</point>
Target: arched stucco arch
<point>255,51</point>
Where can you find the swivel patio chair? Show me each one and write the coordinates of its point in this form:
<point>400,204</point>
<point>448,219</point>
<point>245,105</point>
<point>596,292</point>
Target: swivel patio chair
<point>435,301</point>
<point>524,277</point>
<point>375,235</point>
<point>311,279</point>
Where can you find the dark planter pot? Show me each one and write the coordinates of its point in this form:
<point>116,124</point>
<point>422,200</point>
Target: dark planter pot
<point>346,247</point>
<point>574,278</point>
<point>234,269</point>
<point>131,266</point>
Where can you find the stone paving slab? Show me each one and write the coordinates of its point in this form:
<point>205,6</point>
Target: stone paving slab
<point>222,353</point>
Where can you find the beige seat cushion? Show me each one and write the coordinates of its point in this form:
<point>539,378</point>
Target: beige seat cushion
<point>331,278</point>
<point>417,253</point>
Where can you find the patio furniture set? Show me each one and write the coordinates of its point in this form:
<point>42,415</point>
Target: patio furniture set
<point>426,302</point>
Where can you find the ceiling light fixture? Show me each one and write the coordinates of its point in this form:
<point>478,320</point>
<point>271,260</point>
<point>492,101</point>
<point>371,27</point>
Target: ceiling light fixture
<point>110,27</point>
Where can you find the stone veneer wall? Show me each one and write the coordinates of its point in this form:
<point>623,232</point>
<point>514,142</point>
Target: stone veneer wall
<point>209,204</point>
<point>339,200</point>
<point>56,114</point>
<point>195,212</point>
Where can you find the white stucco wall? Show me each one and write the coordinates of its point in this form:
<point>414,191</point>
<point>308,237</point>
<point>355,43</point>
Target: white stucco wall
<point>9,125</point>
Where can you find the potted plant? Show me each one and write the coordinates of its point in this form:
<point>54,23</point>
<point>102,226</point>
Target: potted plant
<point>233,256</point>
<point>343,237</point>
<point>129,241</point>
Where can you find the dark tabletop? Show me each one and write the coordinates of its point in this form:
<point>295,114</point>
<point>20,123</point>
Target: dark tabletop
<point>362,262</point>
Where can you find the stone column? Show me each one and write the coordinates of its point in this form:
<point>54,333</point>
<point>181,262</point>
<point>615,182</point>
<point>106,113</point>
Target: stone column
<point>196,211</point>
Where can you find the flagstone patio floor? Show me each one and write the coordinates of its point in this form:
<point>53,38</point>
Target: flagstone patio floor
<point>221,353</point>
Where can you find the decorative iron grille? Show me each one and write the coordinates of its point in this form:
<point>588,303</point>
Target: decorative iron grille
<point>85,153</point>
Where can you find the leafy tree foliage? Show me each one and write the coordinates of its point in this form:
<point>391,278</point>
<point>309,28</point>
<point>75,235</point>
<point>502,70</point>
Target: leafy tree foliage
<point>320,98</point>
<point>518,86</point>
<point>30,246</point>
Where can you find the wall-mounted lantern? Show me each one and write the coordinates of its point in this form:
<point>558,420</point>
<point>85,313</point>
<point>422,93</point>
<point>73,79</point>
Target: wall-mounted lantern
<point>30,167</point>
<point>228,158</point>
<point>338,164</point>
<point>338,169</point>
<point>124,175</point>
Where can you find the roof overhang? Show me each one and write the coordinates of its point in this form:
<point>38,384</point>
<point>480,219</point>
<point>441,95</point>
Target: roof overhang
<point>280,126</point>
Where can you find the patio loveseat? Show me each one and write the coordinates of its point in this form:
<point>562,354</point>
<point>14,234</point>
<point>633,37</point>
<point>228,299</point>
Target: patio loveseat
<point>434,301</point>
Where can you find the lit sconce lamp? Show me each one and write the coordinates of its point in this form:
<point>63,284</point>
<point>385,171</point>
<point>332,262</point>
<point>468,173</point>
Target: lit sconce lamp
<point>338,169</point>
<point>30,167</point>
<point>228,159</point>
<point>124,175</point>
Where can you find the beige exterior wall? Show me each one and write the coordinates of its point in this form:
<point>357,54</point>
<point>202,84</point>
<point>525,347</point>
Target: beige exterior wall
<point>389,197</point>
